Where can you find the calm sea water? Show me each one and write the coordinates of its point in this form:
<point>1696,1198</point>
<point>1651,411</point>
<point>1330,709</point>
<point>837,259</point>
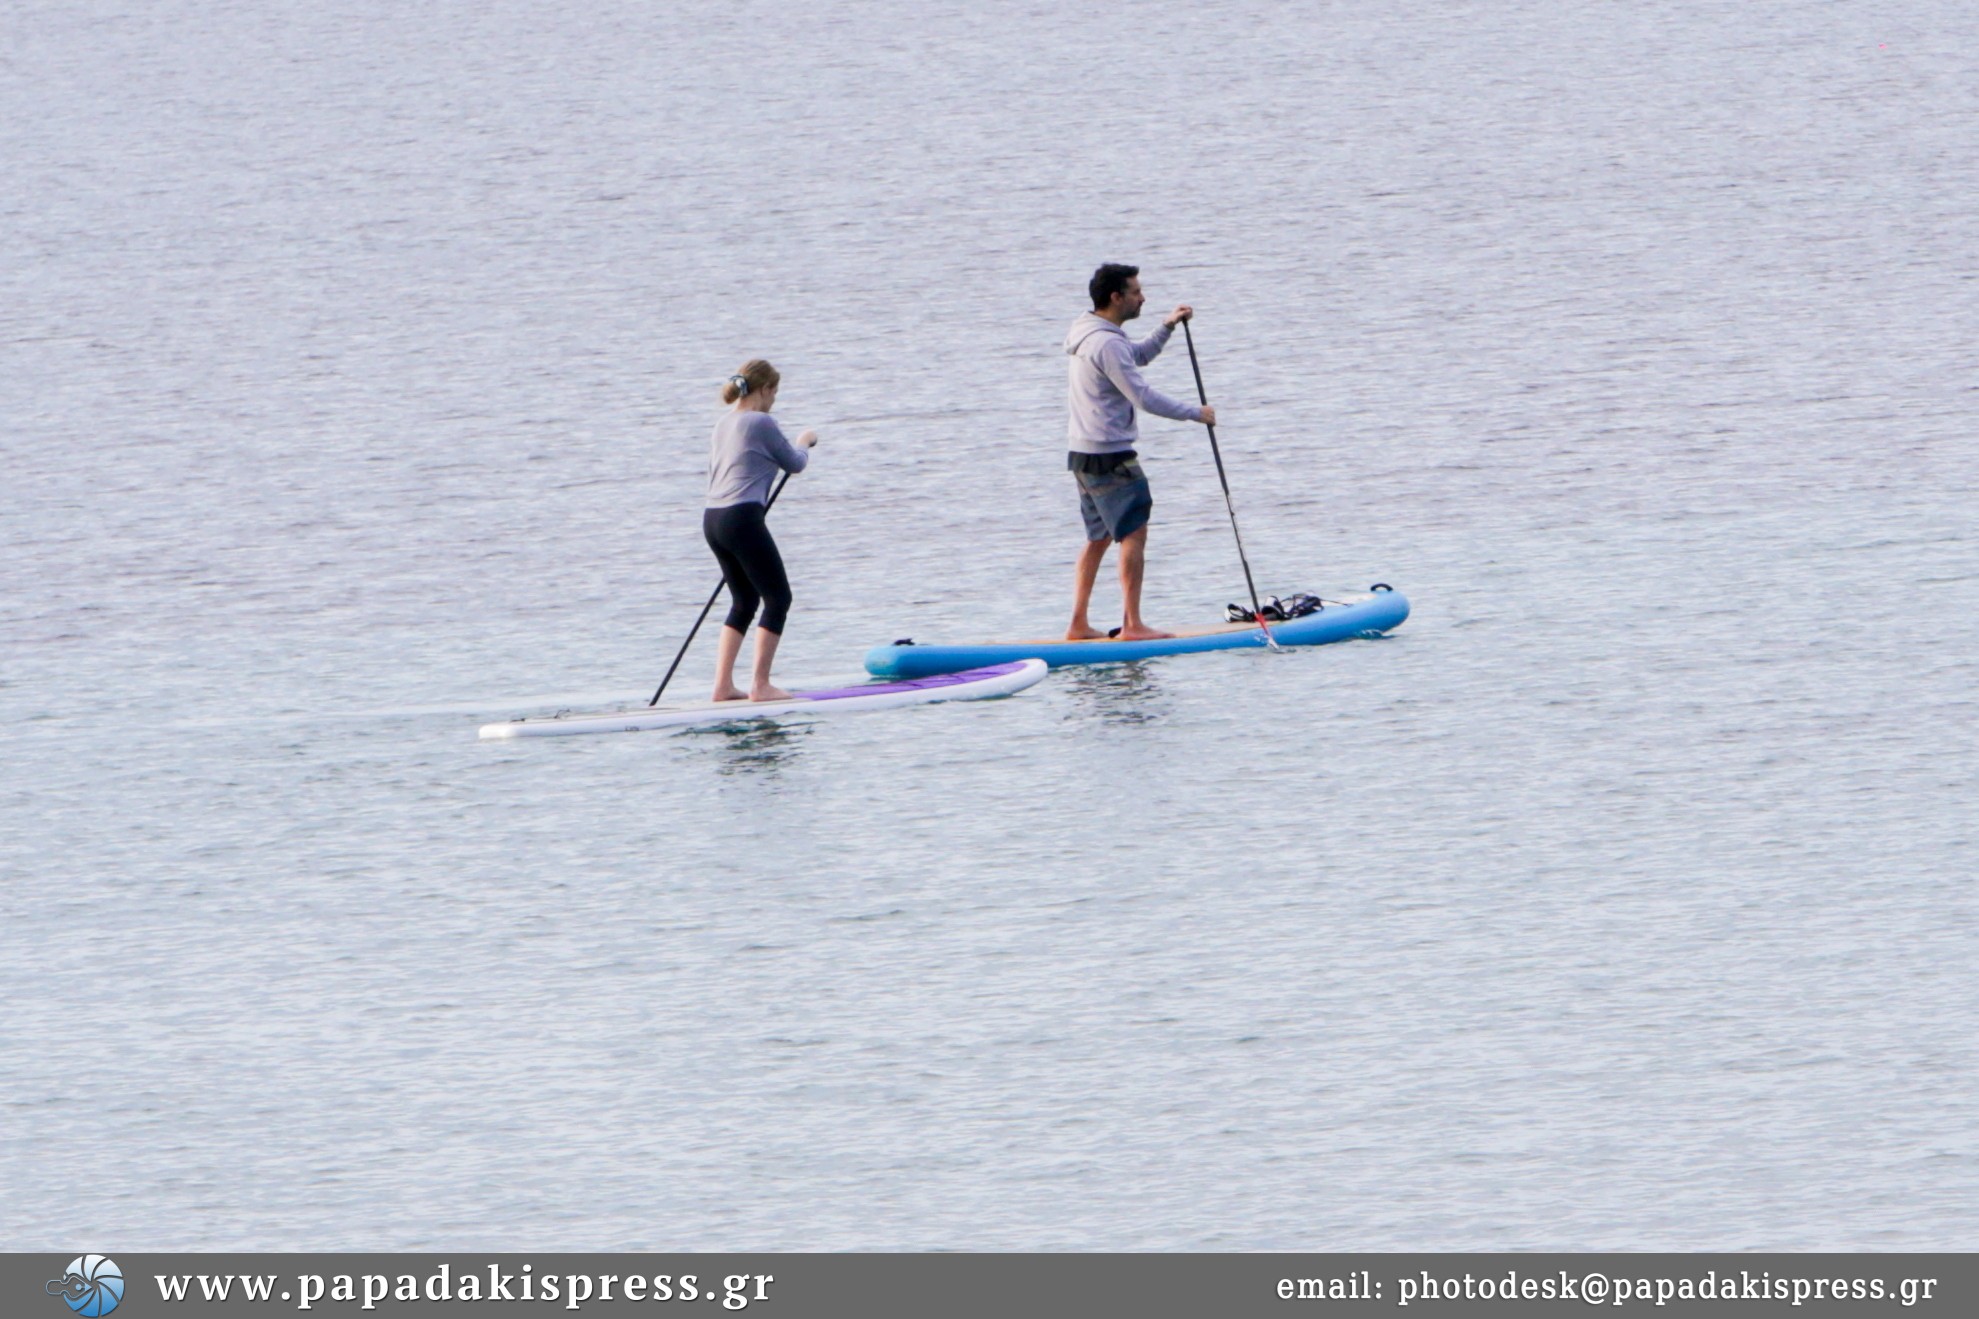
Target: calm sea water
<point>356,370</point>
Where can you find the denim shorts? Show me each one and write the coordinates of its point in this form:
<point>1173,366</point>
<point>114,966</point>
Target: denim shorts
<point>1115,504</point>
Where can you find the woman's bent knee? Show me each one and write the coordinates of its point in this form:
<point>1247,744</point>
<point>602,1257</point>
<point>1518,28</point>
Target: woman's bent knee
<point>776,608</point>
<point>741,608</point>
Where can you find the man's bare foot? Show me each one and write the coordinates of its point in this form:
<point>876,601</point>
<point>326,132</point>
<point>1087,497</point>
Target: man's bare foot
<point>1077,633</point>
<point>730,694</point>
<point>768,694</point>
<point>1143,633</point>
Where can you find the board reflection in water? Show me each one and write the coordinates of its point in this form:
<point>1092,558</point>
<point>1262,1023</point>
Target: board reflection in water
<point>754,746</point>
<point>1115,693</point>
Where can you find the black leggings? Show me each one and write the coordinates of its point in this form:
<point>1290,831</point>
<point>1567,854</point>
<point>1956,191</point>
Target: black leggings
<point>750,565</point>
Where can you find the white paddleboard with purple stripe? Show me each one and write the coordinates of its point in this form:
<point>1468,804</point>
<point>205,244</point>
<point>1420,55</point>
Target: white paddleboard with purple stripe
<point>969,685</point>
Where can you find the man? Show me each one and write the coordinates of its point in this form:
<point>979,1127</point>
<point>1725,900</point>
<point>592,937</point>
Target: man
<point>1106,388</point>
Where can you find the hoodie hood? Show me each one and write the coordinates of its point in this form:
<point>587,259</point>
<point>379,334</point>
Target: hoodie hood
<point>1086,327</point>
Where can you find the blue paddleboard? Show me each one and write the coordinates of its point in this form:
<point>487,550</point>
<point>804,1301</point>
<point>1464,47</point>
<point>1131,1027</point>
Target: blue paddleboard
<point>1363,615</point>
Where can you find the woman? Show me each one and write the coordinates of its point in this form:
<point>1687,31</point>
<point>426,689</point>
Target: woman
<point>749,450</point>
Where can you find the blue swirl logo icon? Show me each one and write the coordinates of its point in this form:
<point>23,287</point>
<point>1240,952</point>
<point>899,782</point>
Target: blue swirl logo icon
<point>93,1286</point>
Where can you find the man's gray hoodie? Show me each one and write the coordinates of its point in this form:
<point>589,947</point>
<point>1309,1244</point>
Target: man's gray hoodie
<point>1107,386</point>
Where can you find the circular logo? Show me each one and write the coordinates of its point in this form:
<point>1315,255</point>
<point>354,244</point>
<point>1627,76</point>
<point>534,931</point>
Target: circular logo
<point>93,1286</point>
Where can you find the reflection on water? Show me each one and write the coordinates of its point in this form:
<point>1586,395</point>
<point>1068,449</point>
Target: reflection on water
<point>750,746</point>
<point>1114,693</point>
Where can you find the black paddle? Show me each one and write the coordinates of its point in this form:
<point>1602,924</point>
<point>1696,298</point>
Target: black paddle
<point>712,597</point>
<point>1257,610</point>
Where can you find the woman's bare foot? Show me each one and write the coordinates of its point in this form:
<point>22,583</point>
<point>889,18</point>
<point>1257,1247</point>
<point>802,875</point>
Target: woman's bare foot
<point>1143,633</point>
<point>730,694</point>
<point>1083,634</point>
<point>768,694</point>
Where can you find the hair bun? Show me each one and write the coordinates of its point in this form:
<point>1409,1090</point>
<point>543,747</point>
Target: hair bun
<point>741,384</point>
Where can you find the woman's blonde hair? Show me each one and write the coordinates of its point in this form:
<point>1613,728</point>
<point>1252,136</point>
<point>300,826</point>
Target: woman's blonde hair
<point>755,376</point>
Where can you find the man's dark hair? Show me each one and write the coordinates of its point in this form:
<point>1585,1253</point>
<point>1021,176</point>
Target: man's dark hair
<point>1108,280</point>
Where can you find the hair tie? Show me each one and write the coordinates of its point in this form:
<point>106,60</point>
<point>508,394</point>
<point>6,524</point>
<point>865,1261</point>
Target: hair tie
<point>741,384</point>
